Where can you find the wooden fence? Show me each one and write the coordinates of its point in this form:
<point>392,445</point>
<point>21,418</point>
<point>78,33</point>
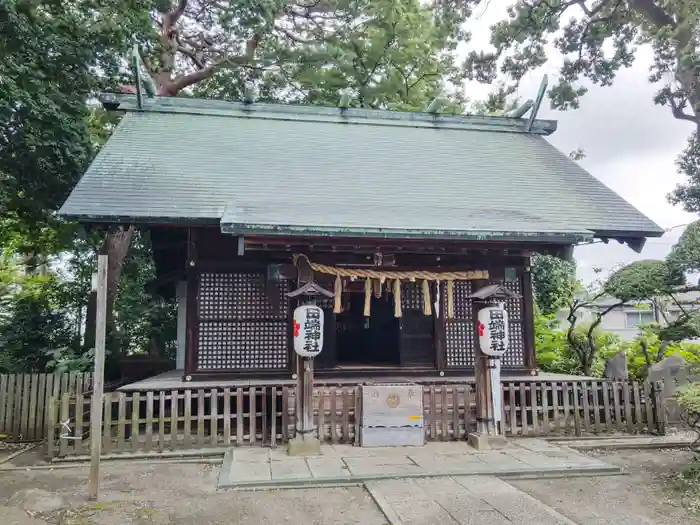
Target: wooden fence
<point>582,408</point>
<point>25,398</point>
<point>194,419</point>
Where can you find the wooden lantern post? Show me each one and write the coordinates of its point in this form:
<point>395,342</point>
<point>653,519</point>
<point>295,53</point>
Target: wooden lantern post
<point>308,343</point>
<point>491,324</point>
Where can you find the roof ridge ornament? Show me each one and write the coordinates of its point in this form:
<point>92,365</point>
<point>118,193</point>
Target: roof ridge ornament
<point>538,103</point>
<point>345,98</point>
<point>250,94</point>
<point>435,105</point>
<point>143,81</point>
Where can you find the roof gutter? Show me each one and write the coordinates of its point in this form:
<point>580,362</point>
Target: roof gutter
<point>571,237</point>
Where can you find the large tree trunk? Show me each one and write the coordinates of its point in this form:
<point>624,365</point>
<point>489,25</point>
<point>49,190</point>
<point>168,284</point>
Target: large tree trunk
<point>116,246</point>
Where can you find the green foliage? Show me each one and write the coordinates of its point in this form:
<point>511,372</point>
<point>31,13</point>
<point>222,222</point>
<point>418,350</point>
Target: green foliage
<point>67,360</point>
<point>686,326</point>
<point>689,398</point>
<point>598,39</point>
<point>551,348</point>
<point>689,401</point>
<point>642,280</point>
<point>554,282</point>
<point>143,323</point>
<point>555,353</point>
<point>51,51</point>
<point>685,254</point>
<point>399,58</point>
<point>648,348</point>
<point>688,194</point>
<point>35,323</point>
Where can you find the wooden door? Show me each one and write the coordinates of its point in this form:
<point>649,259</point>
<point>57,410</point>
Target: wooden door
<point>417,330</point>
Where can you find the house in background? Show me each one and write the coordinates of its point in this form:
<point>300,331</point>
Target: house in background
<point>626,321</point>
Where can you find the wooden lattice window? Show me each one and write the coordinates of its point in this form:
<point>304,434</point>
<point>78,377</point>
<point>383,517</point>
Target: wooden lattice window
<point>412,295</point>
<point>243,322</point>
<point>515,356</point>
<point>459,331</point>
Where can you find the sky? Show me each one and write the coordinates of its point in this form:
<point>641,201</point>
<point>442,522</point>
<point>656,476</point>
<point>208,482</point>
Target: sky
<point>630,144</point>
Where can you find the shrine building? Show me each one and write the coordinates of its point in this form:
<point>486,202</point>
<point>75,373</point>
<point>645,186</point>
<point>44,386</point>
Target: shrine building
<point>403,216</point>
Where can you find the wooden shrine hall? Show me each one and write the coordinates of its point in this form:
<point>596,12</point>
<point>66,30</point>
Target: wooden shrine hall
<point>402,215</point>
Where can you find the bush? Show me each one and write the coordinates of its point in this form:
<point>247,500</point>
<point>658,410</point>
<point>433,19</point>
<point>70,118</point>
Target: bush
<point>555,355</point>
<point>33,324</point>
<point>636,360</point>
<point>689,401</point>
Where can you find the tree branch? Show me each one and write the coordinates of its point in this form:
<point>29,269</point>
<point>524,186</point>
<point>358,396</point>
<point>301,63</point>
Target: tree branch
<point>592,347</point>
<point>295,38</point>
<point>192,56</point>
<point>677,110</point>
<point>652,12</point>
<point>387,45</point>
<point>183,81</point>
<point>584,7</point>
<point>177,12</point>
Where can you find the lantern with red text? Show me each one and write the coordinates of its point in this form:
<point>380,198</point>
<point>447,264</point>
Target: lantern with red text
<point>493,330</point>
<point>308,330</point>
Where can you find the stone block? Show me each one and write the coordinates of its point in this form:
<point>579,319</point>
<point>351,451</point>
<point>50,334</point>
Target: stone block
<point>487,442</point>
<point>304,446</point>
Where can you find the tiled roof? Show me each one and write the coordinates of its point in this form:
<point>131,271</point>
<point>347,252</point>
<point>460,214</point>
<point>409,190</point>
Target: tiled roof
<point>323,171</point>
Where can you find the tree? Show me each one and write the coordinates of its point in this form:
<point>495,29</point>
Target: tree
<point>554,282</point>
<point>51,50</point>
<point>597,38</point>
<point>399,60</point>
<point>34,323</point>
<point>662,283</point>
<point>583,339</point>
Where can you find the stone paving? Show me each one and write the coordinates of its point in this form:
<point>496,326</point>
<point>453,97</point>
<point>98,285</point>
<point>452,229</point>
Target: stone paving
<point>459,500</point>
<point>344,464</point>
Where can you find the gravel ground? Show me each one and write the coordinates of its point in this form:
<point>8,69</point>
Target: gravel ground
<point>185,494</point>
<point>645,496</point>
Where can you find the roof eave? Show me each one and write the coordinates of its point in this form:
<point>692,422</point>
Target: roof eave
<point>138,221</point>
<point>395,233</point>
<point>634,239</point>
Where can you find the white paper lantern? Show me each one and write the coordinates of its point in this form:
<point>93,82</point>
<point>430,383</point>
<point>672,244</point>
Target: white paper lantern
<point>308,330</point>
<point>493,330</point>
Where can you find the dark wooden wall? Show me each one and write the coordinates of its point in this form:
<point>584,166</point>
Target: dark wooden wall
<point>239,322</point>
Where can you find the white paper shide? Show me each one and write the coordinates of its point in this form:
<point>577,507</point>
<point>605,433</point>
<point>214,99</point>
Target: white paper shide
<point>308,330</point>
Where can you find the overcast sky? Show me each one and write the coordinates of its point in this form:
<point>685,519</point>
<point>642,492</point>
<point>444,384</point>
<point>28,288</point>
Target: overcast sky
<point>631,144</point>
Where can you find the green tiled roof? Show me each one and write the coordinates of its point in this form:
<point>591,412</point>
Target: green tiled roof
<point>319,171</point>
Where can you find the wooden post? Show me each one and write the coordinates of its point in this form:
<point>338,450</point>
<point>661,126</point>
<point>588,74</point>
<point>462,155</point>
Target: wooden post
<point>306,443</point>
<point>488,382</point>
<point>308,393</point>
<point>98,381</point>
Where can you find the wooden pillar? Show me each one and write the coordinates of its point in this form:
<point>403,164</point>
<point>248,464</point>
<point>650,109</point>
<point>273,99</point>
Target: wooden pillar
<point>192,308</point>
<point>181,294</point>
<point>440,314</point>
<point>528,319</point>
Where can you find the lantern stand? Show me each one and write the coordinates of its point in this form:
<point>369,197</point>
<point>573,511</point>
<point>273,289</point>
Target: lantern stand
<point>492,334</point>
<point>305,443</point>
